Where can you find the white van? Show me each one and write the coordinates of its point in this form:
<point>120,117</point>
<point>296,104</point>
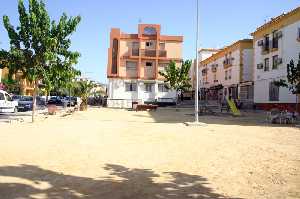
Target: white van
<point>7,105</point>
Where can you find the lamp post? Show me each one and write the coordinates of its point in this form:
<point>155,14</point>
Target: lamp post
<point>197,68</point>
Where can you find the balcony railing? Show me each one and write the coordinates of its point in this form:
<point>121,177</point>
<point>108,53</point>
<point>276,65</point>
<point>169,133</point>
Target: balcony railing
<point>162,53</point>
<point>135,52</point>
<point>148,53</point>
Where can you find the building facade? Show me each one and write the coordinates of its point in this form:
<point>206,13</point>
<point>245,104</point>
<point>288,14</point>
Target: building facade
<point>275,43</point>
<point>228,73</point>
<point>134,62</point>
<point>26,88</point>
<point>203,54</point>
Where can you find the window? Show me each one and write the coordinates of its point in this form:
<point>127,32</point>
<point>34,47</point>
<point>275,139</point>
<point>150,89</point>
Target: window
<point>148,87</point>
<point>273,92</point>
<point>162,67</point>
<point>114,57</point>
<point>226,75</point>
<point>149,44</point>
<point>130,65</point>
<point>162,88</point>
<point>135,45</point>
<point>129,87</point>
<point>2,96</point>
<point>8,98</point>
<point>162,46</point>
<point>229,74</point>
<point>149,31</point>
<point>148,64</point>
<point>275,62</point>
<point>267,43</point>
<point>267,63</point>
<point>215,76</point>
<point>275,39</point>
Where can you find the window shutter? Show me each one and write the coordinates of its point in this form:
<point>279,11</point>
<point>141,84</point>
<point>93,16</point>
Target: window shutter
<point>279,34</point>
<point>260,43</point>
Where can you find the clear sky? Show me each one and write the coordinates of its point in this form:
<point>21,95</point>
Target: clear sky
<point>221,23</point>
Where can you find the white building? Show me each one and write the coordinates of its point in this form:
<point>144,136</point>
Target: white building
<point>134,62</point>
<point>203,54</point>
<point>276,43</point>
<point>228,73</point>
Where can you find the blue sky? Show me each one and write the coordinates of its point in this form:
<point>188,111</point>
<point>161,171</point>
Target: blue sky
<point>221,23</point>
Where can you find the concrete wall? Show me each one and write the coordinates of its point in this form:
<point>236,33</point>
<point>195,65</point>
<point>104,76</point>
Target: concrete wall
<point>118,97</point>
<point>174,49</point>
<point>288,48</point>
<point>247,65</point>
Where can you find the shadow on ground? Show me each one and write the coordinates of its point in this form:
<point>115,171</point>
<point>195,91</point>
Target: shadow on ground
<point>134,184</point>
<point>170,115</point>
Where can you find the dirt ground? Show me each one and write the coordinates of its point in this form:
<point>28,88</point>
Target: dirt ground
<point>119,154</point>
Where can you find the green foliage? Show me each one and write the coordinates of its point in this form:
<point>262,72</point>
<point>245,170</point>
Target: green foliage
<point>11,85</point>
<point>177,78</point>
<point>83,90</point>
<point>39,47</point>
<point>293,78</point>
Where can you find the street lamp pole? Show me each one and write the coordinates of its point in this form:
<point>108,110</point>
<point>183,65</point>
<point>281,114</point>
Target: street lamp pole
<point>197,69</point>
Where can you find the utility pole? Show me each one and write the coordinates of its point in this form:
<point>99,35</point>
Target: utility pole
<point>197,68</point>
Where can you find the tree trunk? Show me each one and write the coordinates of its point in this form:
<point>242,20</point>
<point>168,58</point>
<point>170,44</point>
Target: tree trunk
<point>297,101</point>
<point>47,93</point>
<point>176,106</point>
<point>34,100</point>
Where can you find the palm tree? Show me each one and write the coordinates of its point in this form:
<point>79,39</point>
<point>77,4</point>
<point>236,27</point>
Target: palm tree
<point>83,90</point>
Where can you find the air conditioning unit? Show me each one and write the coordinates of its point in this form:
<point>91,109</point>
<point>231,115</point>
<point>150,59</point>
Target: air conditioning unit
<point>260,66</point>
<point>260,43</point>
<point>279,34</point>
<point>279,61</point>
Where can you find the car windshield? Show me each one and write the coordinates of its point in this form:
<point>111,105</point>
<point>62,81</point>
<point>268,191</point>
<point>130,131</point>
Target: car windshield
<point>26,98</point>
<point>16,97</point>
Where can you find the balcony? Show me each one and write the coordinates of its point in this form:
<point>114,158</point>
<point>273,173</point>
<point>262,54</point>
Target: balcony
<point>148,53</point>
<point>162,53</point>
<point>133,52</point>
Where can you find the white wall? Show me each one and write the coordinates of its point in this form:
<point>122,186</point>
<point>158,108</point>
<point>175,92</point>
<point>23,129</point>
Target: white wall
<point>247,65</point>
<point>118,97</point>
<point>288,48</point>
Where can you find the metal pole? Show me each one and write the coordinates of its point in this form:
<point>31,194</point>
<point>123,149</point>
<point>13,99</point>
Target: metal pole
<point>197,69</point>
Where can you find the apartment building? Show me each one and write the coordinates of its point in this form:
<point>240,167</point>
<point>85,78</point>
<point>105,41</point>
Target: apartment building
<point>275,43</point>
<point>203,54</point>
<point>26,88</point>
<point>228,73</point>
<point>134,62</point>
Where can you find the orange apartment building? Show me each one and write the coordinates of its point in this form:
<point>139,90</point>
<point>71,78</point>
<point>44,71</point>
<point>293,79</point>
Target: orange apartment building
<point>134,62</point>
<point>26,87</point>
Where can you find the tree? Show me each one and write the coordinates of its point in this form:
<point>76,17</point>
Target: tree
<point>177,78</point>
<point>11,85</point>
<point>37,43</point>
<point>293,79</point>
<point>83,90</point>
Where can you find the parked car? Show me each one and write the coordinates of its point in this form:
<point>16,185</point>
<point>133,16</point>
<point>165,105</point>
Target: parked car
<point>25,103</point>
<point>68,101</point>
<point>56,100</point>
<point>7,104</point>
<point>77,100</point>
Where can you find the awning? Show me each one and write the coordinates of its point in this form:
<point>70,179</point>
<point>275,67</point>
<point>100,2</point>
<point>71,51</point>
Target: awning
<point>217,87</point>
